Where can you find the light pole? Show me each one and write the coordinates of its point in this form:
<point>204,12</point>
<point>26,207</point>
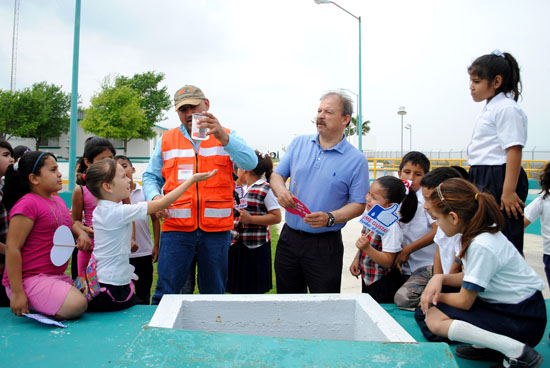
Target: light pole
<point>74,96</point>
<point>401,111</point>
<point>408,126</point>
<point>359,98</point>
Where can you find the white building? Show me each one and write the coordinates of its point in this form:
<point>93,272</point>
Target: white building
<point>139,150</point>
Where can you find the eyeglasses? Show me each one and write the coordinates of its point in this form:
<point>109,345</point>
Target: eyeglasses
<point>443,198</point>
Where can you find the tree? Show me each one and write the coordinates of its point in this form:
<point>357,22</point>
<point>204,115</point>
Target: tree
<point>351,129</point>
<point>153,101</point>
<point>128,108</point>
<point>115,113</point>
<point>41,111</point>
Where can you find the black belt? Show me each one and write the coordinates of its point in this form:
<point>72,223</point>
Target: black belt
<point>307,234</point>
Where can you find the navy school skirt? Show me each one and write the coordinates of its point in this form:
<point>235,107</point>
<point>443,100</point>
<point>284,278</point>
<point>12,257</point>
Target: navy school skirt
<point>249,269</point>
<point>524,321</point>
<point>491,179</point>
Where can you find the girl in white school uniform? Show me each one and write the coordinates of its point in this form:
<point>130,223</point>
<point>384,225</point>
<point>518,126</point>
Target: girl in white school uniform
<point>499,305</point>
<point>500,134</point>
<point>540,207</point>
<point>108,182</point>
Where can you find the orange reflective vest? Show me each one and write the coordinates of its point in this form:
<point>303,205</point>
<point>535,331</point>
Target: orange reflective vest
<point>207,204</point>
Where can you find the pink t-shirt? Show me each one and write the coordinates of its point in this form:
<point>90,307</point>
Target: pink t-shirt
<point>47,215</point>
<point>90,203</point>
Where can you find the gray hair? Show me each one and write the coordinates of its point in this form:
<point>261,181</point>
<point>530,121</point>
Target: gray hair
<point>347,103</point>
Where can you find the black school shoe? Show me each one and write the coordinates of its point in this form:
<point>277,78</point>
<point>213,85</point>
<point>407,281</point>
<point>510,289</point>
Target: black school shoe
<point>471,353</point>
<point>528,359</point>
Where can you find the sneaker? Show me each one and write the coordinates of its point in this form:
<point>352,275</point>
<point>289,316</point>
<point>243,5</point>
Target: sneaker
<point>472,353</point>
<point>528,359</point>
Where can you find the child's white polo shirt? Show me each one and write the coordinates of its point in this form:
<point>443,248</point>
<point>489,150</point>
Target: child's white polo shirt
<point>500,125</point>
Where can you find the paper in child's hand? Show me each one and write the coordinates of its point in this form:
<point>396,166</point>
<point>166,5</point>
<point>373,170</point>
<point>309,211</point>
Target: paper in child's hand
<point>300,210</point>
<point>379,219</point>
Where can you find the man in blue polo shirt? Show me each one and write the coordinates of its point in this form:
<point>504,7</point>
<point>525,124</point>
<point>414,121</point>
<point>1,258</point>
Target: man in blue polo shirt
<point>331,178</point>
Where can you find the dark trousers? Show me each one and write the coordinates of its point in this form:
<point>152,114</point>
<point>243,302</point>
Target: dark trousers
<point>144,270</point>
<point>308,261</point>
<point>491,179</point>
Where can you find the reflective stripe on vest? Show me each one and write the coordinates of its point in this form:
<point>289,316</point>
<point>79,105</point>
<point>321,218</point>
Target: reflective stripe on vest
<point>212,151</point>
<point>217,212</point>
<point>206,204</point>
<point>179,212</point>
<point>178,153</point>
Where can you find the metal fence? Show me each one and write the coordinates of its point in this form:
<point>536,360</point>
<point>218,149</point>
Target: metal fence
<point>381,166</point>
<point>528,154</point>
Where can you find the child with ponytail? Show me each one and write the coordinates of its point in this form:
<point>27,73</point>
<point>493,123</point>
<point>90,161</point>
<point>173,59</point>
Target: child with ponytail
<point>500,133</point>
<point>499,307</point>
<point>83,202</point>
<point>376,254</point>
<point>31,280</point>
<point>250,257</point>
<point>108,182</point>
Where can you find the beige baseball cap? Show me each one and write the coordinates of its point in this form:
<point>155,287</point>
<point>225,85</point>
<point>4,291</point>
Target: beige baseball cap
<point>188,95</point>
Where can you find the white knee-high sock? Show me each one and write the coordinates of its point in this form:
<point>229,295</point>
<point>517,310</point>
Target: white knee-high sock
<point>468,333</point>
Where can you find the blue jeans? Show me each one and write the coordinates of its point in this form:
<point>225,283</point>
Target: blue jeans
<point>176,254</point>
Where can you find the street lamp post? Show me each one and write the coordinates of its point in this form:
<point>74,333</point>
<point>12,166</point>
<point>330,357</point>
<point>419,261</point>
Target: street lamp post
<point>401,111</point>
<point>359,99</point>
<point>408,126</point>
<point>74,97</point>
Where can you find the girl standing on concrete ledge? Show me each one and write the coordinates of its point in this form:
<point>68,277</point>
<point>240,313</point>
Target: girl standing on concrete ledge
<point>495,151</point>
<point>499,307</point>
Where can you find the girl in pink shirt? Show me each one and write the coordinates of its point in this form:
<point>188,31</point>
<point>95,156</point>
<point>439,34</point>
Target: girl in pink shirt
<point>31,280</point>
<point>84,202</point>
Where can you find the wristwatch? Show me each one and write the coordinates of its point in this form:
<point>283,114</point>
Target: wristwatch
<point>330,221</point>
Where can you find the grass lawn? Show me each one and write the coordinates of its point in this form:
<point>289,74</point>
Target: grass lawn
<point>274,240</point>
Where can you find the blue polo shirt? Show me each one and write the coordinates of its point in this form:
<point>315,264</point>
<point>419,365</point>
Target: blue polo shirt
<point>323,180</point>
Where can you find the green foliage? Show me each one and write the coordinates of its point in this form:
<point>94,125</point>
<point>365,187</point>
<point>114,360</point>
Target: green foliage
<point>41,111</point>
<point>127,108</point>
<point>351,129</point>
<point>153,101</point>
<point>114,113</point>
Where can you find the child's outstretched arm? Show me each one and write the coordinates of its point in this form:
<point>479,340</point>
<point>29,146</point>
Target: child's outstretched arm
<point>162,203</point>
<point>19,229</point>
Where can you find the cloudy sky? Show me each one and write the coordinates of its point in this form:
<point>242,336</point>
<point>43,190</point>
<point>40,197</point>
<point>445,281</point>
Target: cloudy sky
<point>264,64</point>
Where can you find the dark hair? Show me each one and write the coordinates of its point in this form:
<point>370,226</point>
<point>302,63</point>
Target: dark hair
<point>545,181</point>
<point>20,151</point>
<point>17,182</point>
<point>93,147</point>
<point>490,65</point>
<point>100,172</point>
<point>438,176</point>
<point>264,166</point>
<point>395,193</point>
<point>416,158</point>
<point>4,143</point>
<point>463,172</point>
<point>125,158</point>
<point>478,210</point>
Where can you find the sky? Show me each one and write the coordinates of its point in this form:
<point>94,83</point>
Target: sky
<point>265,64</point>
